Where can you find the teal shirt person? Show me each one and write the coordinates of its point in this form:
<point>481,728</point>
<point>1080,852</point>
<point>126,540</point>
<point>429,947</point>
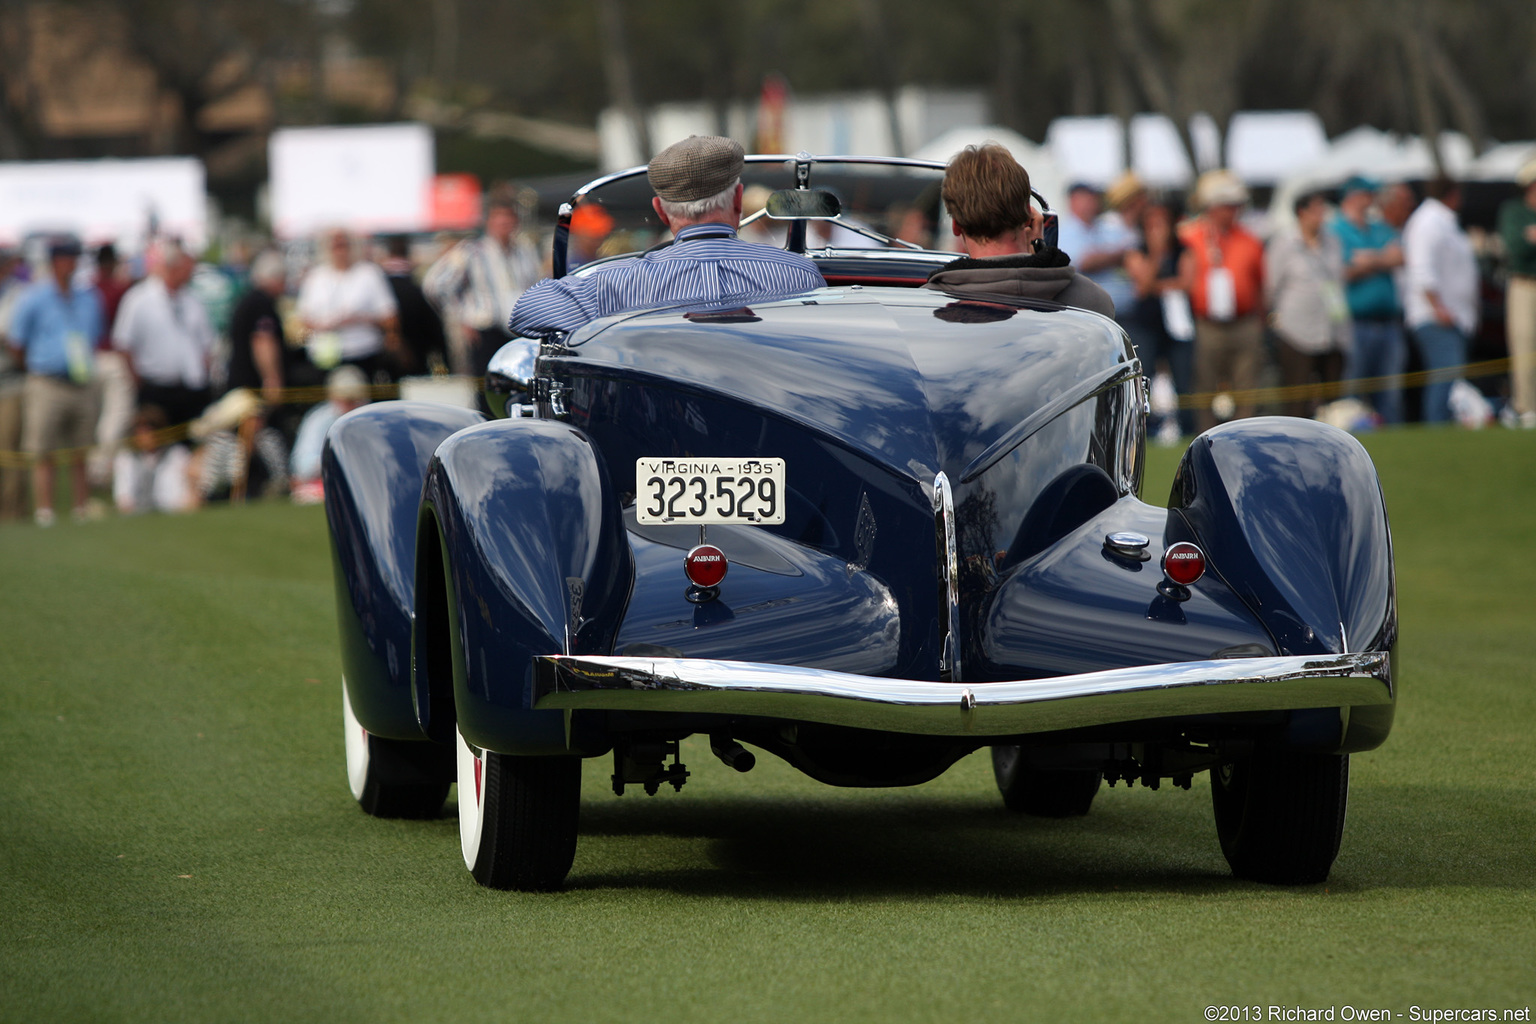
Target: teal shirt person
<point>1374,296</point>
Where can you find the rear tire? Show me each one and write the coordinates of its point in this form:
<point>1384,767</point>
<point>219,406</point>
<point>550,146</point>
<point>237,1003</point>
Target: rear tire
<point>518,817</point>
<point>393,778</point>
<point>1280,814</point>
<point>1044,793</point>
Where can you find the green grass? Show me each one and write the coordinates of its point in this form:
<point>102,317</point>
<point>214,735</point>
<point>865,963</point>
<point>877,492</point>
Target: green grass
<point>177,841</point>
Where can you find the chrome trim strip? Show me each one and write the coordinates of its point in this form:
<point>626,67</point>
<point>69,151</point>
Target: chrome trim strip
<point>944,709</point>
<point>1029,425</point>
<point>769,158</point>
<point>948,564</point>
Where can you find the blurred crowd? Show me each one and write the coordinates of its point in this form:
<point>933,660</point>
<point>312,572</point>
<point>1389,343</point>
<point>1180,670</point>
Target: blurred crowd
<point>1370,280</point>
<point>171,378</point>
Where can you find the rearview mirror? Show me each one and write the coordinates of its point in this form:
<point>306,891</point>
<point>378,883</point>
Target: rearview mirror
<point>803,204</point>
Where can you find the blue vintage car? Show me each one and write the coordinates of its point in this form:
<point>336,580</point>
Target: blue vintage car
<point>868,529</point>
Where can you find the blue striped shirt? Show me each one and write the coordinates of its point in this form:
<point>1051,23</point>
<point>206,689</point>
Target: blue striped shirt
<point>707,265</point>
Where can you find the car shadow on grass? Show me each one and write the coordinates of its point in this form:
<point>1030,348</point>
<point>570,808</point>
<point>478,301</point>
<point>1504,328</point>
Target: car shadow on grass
<point>1396,837</point>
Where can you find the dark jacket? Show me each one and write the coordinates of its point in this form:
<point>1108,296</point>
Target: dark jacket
<point>1047,274</point>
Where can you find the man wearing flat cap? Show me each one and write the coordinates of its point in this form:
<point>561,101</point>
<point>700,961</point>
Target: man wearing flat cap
<point>698,196</point>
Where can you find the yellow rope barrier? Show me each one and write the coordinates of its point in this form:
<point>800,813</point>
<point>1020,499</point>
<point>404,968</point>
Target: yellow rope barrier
<point>1330,390</point>
<point>180,432</point>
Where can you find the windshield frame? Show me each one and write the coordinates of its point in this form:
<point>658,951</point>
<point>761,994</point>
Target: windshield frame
<point>803,164</point>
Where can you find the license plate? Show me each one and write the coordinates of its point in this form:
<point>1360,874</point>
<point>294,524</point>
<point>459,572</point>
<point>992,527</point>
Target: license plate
<point>708,491</point>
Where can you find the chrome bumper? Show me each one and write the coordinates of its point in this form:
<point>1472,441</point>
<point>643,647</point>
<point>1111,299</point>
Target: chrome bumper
<point>959,709</point>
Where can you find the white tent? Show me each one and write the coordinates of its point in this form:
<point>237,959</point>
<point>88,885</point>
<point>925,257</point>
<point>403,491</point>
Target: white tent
<point>1266,147</point>
<point>1385,157</point>
<point>1502,162</point>
<point>1093,149</point>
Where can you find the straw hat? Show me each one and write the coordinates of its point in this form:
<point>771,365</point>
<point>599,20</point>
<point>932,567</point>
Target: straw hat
<point>1123,189</point>
<point>1220,188</point>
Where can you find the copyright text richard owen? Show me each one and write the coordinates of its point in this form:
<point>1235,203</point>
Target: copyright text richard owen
<point>1255,1012</point>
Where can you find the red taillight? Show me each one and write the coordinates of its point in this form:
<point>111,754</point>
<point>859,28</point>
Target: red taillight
<point>705,566</point>
<point>1183,563</point>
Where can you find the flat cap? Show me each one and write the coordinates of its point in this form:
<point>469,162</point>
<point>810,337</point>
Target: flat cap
<point>1526,176</point>
<point>698,167</point>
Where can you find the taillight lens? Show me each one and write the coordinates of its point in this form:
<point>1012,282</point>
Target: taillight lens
<point>1183,563</point>
<point>705,566</point>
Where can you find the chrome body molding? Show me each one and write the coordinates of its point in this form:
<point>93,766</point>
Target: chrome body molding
<point>948,563</point>
<point>975,709</point>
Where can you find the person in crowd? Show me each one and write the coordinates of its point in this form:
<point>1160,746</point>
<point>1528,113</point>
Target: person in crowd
<point>1440,302</point>
<point>1371,251</point>
<point>1223,271</point>
<point>13,476</point>
<point>420,327</point>
<point>1397,202</point>
<point>1097,243</point>
<point>237,452</point>
<point>54,329</point>
<point>346,389</point>
<point>698,197</point>
<point>1304,290</point>
<point>150,474</point>
<point>346,305</point>
<point>1127,198</point>
<point>164,333</point>
<point>764,229</point>
<point>591,226</point>
<point>909,223</point>
<point>986,192</point>
<point>477,282</point>
<point>112,282</point>
<point>257,346</point>
<point>1517,230</point>
<point>1160,323</point>
<point>114,379</point>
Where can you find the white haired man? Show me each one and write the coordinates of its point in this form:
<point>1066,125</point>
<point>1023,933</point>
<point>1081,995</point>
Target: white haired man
<point>164,332</point>
<point>698,196</point>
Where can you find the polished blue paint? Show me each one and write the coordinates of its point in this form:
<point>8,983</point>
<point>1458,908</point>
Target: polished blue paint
<point>1034,415</point>
<point>538,561</point>
<point>374,463</point>
<point>1290,514</point>
<point>867,394</point>
<point>780,613</point>
<point>1075,607</point>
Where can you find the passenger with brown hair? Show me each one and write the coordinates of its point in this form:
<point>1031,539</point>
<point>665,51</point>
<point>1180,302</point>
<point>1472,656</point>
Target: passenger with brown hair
<point>987,195</point>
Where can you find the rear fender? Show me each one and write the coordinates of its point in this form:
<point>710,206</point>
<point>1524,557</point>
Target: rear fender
<point>1078,606</point>
<point>1290,515</point>
<point>373,467</point>
<point>534,560</point>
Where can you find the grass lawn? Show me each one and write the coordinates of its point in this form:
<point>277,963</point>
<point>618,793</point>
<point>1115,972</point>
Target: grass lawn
<point>177,842</point>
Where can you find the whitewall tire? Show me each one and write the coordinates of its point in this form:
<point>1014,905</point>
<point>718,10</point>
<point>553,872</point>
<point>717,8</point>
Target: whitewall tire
<point>517,817</point>
<point>393,778</point>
